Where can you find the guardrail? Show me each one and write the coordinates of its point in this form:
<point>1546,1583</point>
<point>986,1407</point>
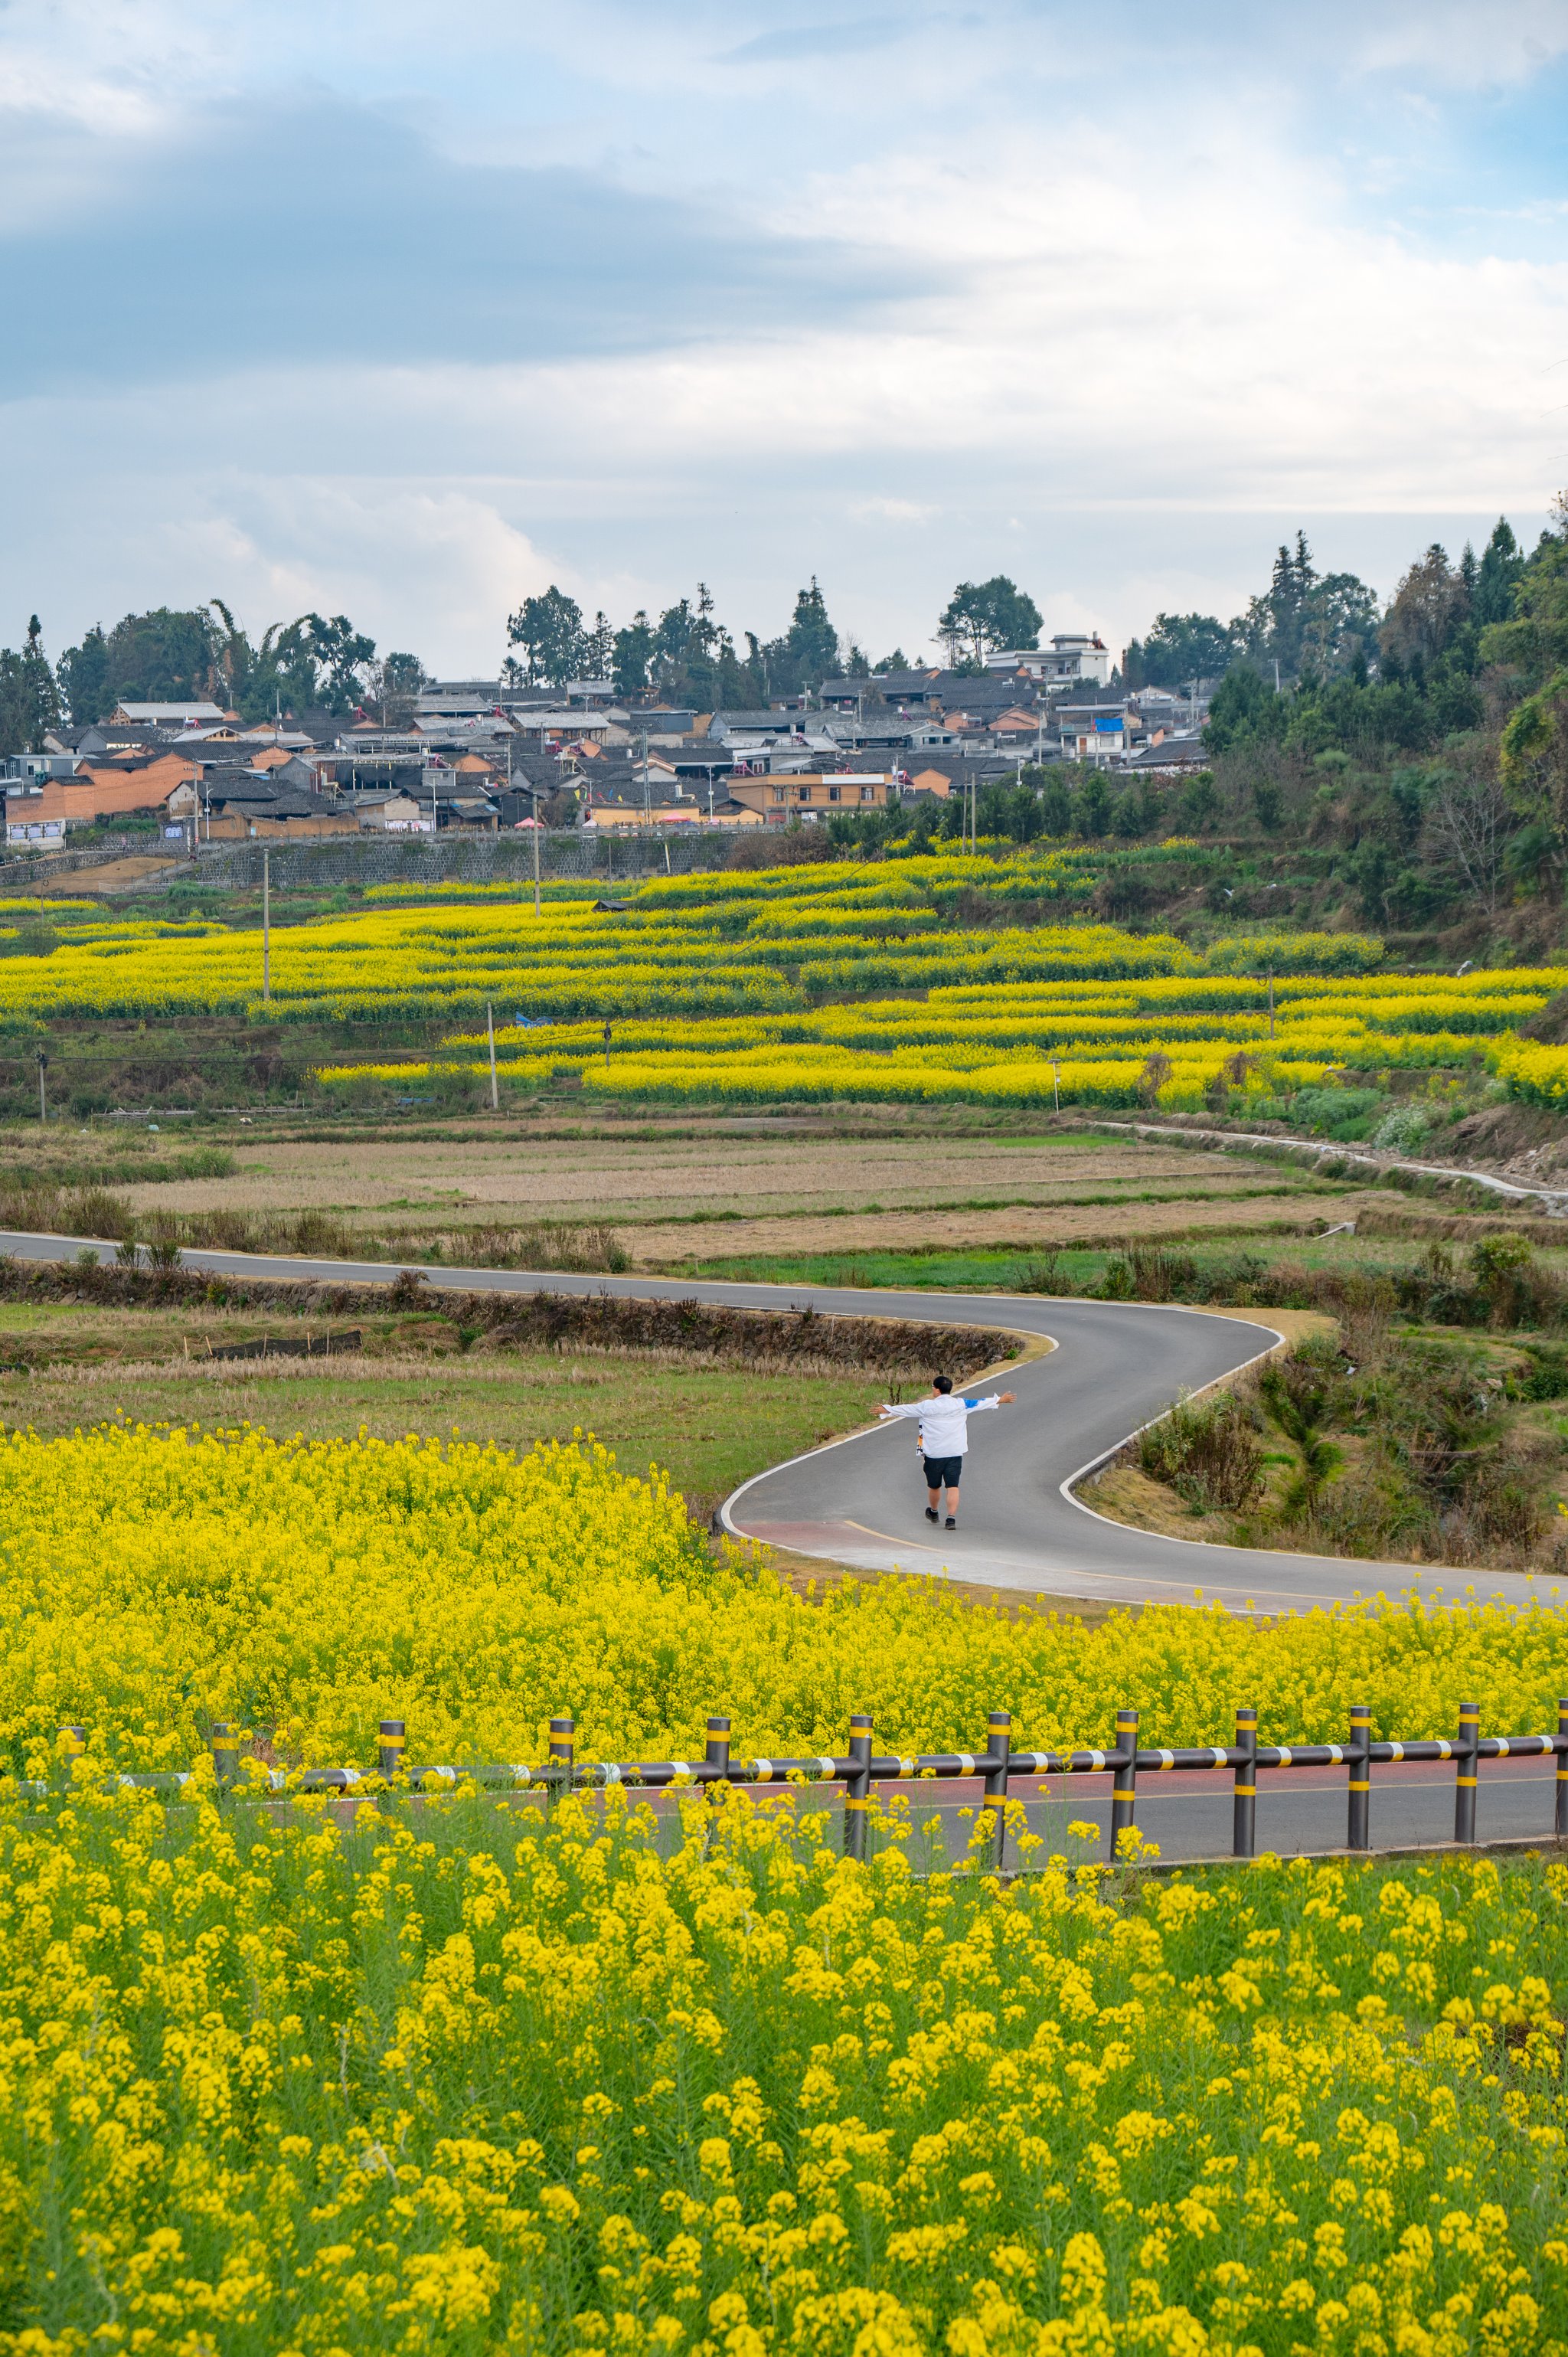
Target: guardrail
<point>858,1768</point>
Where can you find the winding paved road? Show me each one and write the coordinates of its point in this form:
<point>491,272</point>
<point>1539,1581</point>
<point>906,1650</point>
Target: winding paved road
<point>1115,1366</point>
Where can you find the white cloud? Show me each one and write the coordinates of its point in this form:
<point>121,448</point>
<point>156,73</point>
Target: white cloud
<point>1199,324</point>
<point>887,511</point>
<point>1462,44</point>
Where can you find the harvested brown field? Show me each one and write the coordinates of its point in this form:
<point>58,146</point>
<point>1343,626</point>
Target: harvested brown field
<point>1201,1214</point>
<point>112,874</point>
<point>674,1197</point>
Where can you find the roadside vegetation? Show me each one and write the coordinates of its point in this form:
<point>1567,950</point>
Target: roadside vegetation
<point>1390,1436</point>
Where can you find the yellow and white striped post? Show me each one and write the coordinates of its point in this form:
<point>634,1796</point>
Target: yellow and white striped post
<point>1244,1824</point>
<point>858,1785</point>
<point>1358,1760</point>
<point>1466,1758</point>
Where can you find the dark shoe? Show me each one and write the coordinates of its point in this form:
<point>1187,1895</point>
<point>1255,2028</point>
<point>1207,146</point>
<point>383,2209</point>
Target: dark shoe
<point>930,1513</point>
<point>953,1521</point>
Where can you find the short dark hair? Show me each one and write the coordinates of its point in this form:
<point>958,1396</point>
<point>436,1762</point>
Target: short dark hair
<point>942,1382</point>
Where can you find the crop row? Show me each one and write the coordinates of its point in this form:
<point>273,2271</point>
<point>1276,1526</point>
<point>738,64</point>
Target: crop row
<point>705,944</point>
<point>1160,1039</point>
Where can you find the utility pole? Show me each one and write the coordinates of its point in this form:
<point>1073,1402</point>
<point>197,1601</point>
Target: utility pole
<point>266,926</point>
<point>43,1100</point>
<point>1056,1086</point>
<point>536,854</point>
<point>1271,1003</point>
<point>490,1027</point>
<point>606,1046</point>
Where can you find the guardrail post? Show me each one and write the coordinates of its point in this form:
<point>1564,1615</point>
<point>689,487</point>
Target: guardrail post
<point>1125,1778</point>
<point>717,1756</point>
<point>1359,1830</point>
<point>561,1733</point>
<point>1561,1764</point>
<point>1467,1757</point>
<point>393,1741</point>
<point>858,1785</point>
<point>71,1741</point>
<point>225,1751</point>
<point>1244,1829</point>
<point>998,1745</point>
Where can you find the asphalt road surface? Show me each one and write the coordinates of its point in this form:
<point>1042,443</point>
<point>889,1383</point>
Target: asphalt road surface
<point>1115,1366</point>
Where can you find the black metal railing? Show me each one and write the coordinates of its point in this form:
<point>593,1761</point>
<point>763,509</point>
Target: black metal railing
<point>860,1768</point>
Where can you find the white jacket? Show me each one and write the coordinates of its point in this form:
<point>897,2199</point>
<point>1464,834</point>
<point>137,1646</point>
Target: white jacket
<point>944,1420</point>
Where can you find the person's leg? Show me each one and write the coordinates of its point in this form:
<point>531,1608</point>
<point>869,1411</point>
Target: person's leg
<point>953,1505</point>
<point>933,1490</point>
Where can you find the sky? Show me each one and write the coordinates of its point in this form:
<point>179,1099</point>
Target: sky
<point>407,313</point>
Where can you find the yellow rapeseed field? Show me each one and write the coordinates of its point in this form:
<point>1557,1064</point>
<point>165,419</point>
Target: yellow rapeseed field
<point>289,2077</point>
<point>447,2077</point>
<point>158,1581</point>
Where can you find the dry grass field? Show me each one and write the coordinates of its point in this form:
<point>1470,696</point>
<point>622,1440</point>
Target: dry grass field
<point>708,1427</point>
<point>674,1195</point>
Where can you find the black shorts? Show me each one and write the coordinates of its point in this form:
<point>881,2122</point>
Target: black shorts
<point>943,1470</point>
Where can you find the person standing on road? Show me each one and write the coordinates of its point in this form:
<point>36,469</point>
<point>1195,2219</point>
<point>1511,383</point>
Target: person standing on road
<point>943,1439</point>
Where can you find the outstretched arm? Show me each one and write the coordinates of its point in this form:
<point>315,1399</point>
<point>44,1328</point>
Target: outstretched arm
<point>908,1407</point>
<point>994,1399</point>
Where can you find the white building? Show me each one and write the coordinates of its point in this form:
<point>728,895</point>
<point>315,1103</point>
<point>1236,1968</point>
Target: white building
<point>1072,655</point>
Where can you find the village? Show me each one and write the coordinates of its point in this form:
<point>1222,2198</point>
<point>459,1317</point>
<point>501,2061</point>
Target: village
<point>485,755</point>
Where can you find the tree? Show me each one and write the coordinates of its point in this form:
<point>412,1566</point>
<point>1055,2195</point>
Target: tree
<point>812,640</point>
<point>1468,816</point>
<point>1534,640</point>
<point>632,658</point>
<point>341,658</point>
<point>315,662</point>
<point>1127,816</point>
<point>1491,596</point>
<point>1339,625</point>
<point>598,648</point>
<point>168,655</point>
<point>694,660</point>
<point>41,691</point>
<point>235,658</point>
<point>1428,609</point>
<point>1533,757</point>
<point>1180,648</point>
<point>82,673</point>
<point>550,631</point>
<point>1306,621</point>
<point>1094,807</point>
<point>395,685</point>
<point>29,697</point>
<point>897,661</point>
<point>1055,805</point>
<point>1244,710</point>
<point>984,617</point>
<point>1199,801</point>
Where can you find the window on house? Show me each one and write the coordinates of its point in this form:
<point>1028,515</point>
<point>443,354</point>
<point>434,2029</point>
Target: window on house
<point>805,793</point>
<point>832,794</point>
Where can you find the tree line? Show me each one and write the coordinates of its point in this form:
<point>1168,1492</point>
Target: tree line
<point>322,664</point>
<point>318,663</point>
<point>688,656</point>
